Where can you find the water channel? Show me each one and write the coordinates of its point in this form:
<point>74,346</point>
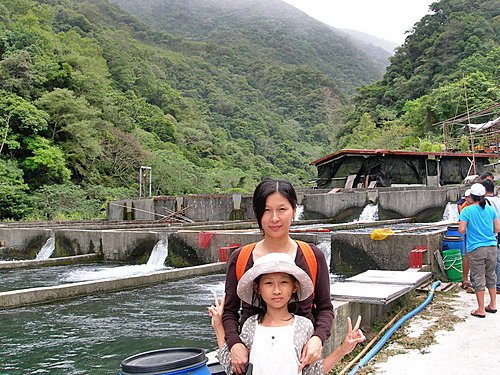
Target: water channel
<point>92,335</point>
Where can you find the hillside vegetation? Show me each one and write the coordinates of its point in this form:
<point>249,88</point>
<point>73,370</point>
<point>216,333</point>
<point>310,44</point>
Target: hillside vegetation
<point>214,95</point>
<point>88,93</point>
<point>447,66</point>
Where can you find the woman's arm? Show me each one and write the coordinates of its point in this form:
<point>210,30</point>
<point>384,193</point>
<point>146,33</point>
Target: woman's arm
<point>322,312</point>
<point>322,308</point>
<point>232,303</point>
<point>496,222</point>
<point>230,319</point>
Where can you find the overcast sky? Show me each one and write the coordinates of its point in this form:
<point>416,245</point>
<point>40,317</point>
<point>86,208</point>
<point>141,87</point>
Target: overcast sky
<point>386,19</point>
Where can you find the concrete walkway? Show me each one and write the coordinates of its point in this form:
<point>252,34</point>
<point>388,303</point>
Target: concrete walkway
<point>472,347</point>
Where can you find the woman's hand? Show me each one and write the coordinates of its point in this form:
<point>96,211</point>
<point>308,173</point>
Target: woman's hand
<point>353,337</point>
<point>239,358</point>
<point>311,352</point>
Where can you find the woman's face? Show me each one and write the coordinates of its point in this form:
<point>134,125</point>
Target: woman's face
<point>278,216</point>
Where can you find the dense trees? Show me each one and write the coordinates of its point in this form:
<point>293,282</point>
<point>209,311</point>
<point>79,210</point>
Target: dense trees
<point>88,93</point>
<point>213,95</point>
<point>447,65</point>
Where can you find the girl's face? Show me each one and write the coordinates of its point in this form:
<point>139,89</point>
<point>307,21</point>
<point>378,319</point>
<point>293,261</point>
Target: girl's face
<point>278,216</point>
<point>276,289</point>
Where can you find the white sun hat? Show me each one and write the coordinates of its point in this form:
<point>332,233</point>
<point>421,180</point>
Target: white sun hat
<point>272,263</point>
<point>467,193</point>
<point>478,190</point>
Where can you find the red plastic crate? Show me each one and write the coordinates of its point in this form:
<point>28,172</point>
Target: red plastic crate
<point>225,251</point>
<point>417,256</point>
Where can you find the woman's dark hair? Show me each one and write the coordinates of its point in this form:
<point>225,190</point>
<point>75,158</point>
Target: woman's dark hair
<point>258,301</point>
<point>481,199</point>
<point>485,175</point>
<point>489,186</point>
<point>267,187</point>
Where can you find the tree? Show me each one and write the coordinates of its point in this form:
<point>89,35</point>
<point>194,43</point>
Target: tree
<point>47,165</point>
<point>13,191</point>
<point>18,118</point>
<point>73,125</point>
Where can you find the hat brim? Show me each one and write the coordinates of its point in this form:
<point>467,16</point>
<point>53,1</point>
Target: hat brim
<point>245,288</point>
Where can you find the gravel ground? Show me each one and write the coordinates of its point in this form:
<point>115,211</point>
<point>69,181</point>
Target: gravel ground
<point>472,347</point>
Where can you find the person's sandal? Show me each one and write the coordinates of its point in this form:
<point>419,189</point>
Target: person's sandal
<point>477,315</point>
<point>467,286</point>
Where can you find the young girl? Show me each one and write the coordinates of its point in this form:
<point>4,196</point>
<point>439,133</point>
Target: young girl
<point>274,336</point>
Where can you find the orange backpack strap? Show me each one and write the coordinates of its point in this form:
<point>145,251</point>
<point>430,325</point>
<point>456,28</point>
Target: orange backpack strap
<point>242,261</point>
<point>311,260</point>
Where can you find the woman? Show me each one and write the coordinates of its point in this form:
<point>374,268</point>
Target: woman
<point>274,204</point>
<point>480,221</point>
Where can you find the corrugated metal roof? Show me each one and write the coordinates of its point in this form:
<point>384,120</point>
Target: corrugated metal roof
<point>349,151</point>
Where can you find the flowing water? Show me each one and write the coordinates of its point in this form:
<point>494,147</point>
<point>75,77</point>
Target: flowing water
<point>159,253</point>
<point>370,213</point>
<point>450,212</point>
<point>48,276</point>
<point>155,262</point>
<point>47,249</point>
<point>299,212</point>
<point>57,275</point>
<point>92,335</point>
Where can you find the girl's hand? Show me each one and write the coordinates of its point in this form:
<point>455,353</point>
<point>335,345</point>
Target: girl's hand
<point>311,352</point>
<point>353,337</point>
<point>215,311</point>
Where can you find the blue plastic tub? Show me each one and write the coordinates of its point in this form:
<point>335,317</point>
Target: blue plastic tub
<point>172,361</point>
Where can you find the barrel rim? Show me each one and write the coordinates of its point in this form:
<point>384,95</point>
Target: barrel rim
<point>198,358</point>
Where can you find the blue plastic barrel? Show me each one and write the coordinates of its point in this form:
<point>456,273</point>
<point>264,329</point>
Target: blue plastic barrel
<point>170,361</point>
<point>454,242</point>
<point>452,230</point>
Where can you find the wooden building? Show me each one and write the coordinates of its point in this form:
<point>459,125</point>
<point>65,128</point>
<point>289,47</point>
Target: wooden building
<point>350,168</point>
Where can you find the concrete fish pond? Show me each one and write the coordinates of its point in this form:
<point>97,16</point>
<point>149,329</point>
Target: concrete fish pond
<point>87,318</point>
<point>354,251</point>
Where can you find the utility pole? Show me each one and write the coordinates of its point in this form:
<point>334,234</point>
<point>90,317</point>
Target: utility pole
<point>145,179</point>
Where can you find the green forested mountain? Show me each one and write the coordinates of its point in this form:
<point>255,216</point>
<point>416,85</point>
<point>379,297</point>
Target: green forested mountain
<point>213,95</point>
<point>88,93</point>
<point>447,65</point>
<point>263,31</point>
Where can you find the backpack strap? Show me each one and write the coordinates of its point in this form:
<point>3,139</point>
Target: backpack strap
<point>246,251</point>
<point>312,262</point>
<point>242,261</point>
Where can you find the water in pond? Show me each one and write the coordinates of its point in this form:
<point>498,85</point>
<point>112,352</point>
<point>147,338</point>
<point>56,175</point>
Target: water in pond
<point>48,276</point>
<point>92,335</point>
<point>56,275</point>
